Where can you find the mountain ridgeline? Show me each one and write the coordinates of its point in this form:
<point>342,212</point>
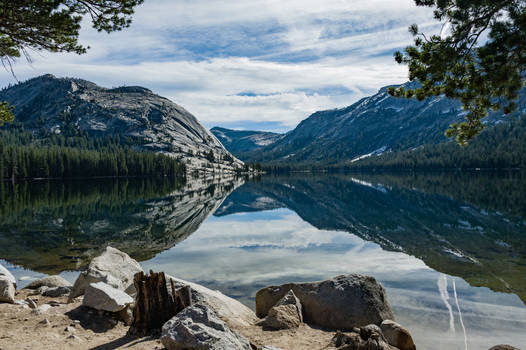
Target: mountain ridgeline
<point>140,119</point>
<point>239,142</point>
<point>374,125</point>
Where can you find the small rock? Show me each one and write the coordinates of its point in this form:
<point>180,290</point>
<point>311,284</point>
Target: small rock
<point>101,296</point>
<point>55,292</point>
<point>7,290</point>
<point>74,337</point>
<point>45,321</point>
<point>268,347</point>
<point>126,315</point>
<point>366,338</point>
<point>503,347</point>
<point>42,309</point>
<point>282,317</point>
<point>397,335</point>
<point>31,303</point>
<point>199,327</point>
<point>69,329</point>
<point>49,281</point>
<point>54,303</point>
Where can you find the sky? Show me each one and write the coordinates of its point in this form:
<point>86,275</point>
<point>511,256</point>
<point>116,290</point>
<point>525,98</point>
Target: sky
<point>258,64</point>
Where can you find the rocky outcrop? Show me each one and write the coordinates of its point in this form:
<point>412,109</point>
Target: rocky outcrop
<point>198,327</point>
<point>48,105</point>
<point>7,290</point>
<point>113,267</point>
<point>286,314</point>
<point>397,335</point>
<point>225,307</point>
<point>503,347</point>
<point>101,296</point>
<point>50,282</point>
<point>340,303</point>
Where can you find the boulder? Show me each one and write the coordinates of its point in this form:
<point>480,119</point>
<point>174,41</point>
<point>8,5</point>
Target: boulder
<point>101,296</point>
<point>113,267</point>
<point>198,327</point>
<point>282,317</point>
<point>397,335</point>
<point>286,314</point>
<point>366,338</point>
<point>8,275</point>
<point>341,303</point>
<point>49,282</point>
<point>7,290</point>
<point>231,310</point>
<point>56,292</point>
<point>42,309</point>
<point>503,347</point>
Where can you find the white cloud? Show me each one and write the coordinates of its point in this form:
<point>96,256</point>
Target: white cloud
<point>202,53</point>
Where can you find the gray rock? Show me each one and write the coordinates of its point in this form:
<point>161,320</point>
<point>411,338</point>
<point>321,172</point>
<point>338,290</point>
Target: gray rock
<point>503,347</point>
<point>56,292</point>
<point>198,327</point>
<point>231,310</point>
<point>7,290</point>
<point>42,309</point>
<point>397,335</point>
<point>282,317</point>
<point>49,282</point>
<point>268,347</point>
<point>113,267</point>
<point>126,315</point>
<point>366,338</point>
<point>340,303</point>
<point>5,273</point>
<point>101,296</point>
<point>286,314</point>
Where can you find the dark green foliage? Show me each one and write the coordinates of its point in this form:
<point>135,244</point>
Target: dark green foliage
<point>502,146</point>
<point>483,74</point>
<point>6,113</point>
<point>58,156</point>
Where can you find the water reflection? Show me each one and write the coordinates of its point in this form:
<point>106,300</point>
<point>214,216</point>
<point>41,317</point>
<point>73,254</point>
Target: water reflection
<point>49,226</point>
<point>449,248</point>
<point>472,226</point>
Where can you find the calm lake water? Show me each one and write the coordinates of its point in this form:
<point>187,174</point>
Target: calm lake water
<point>449,248</point>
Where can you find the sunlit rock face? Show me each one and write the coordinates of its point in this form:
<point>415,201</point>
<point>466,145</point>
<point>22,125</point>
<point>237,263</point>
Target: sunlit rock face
<point>149,122</point>
<point>51,227</point>
<point>447,221</point>
<point>373,125</point>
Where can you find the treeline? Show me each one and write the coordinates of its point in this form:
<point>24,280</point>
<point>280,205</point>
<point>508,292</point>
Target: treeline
<point>502,146</point>
<point>23,156</point>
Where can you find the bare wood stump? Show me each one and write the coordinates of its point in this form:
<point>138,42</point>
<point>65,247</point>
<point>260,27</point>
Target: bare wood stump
<point>155,304</point>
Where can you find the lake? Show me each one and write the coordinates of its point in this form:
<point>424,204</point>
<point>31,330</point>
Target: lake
<point>449,248</point>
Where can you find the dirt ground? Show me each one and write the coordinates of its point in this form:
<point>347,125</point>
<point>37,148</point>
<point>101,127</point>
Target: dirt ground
<point>72,326</point>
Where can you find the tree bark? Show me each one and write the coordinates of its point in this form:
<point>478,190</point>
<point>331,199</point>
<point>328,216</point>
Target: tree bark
<point>155,304</point>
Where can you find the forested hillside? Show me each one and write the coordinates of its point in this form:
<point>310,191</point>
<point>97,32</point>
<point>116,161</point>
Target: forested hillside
<point>22,155</point>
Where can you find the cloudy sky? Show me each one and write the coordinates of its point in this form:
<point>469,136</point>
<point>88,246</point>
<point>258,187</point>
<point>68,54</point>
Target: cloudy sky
<point>258,64</point>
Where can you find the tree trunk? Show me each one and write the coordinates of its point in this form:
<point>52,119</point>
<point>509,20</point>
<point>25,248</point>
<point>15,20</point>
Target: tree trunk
<point>155,304</point>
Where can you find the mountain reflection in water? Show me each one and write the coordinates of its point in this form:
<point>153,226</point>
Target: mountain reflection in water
<point>431,239</point>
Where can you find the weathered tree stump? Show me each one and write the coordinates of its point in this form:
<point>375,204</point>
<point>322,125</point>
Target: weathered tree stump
<point>155,304</point>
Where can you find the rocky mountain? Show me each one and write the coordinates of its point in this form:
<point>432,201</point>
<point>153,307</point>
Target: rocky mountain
<point>47,105</point>
<point>238,142</point>
<point>370,126</point>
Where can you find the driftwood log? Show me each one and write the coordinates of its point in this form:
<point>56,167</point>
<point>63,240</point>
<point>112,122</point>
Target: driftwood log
<point>155,304</point>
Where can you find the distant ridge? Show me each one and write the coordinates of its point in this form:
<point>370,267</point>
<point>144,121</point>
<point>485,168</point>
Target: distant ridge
<point>239,142</point>
<point>371,126</point>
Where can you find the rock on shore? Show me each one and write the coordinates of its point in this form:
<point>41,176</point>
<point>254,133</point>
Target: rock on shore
<point>340,303</point>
